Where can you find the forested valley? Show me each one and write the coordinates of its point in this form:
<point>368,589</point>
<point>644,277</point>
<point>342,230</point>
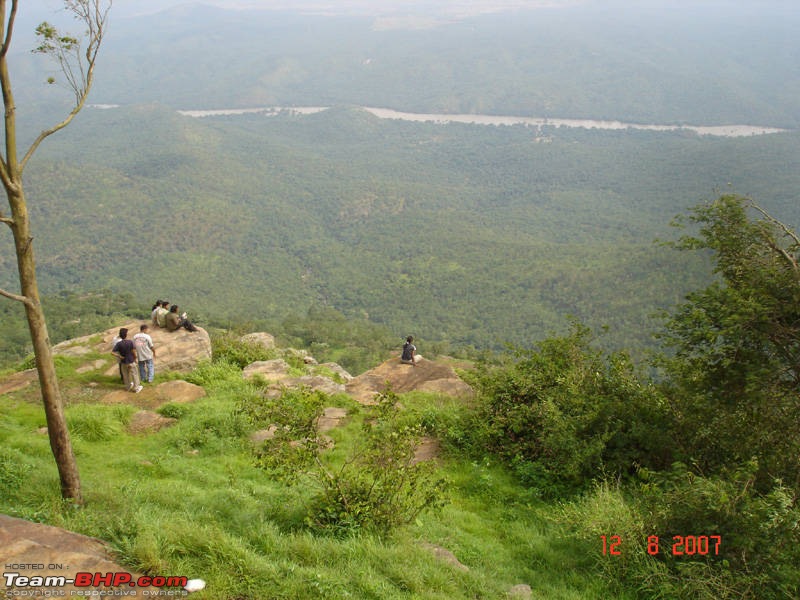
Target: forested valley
<point>468,236</point>
<point>623,303</point>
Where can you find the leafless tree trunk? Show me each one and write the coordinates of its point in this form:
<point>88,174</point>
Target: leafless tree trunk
<point>78,67</point>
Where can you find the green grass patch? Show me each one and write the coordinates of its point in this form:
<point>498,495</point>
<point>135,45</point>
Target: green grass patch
<point>190,500</point>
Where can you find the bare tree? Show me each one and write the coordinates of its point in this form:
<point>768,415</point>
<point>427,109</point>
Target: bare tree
<point>77,64</point>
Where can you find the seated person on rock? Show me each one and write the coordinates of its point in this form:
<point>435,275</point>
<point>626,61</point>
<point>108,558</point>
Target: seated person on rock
<point>410,356</point>
<point>160,313</point>
<point>173,321</point>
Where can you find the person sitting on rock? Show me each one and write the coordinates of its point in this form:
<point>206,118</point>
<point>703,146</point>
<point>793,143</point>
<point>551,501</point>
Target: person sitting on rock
<point>161,313</point>
<point>173,321</point>
<point>410,356</point>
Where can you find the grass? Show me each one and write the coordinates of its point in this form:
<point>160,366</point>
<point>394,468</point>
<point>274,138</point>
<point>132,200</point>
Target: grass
<point>189,501</point>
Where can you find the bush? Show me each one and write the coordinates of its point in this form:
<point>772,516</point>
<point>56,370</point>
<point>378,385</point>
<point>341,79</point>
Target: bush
<point>96,423</point>
<point>564,414</point>
<point>228,347</point>
<point>759,533</point>
<point>377,487</point>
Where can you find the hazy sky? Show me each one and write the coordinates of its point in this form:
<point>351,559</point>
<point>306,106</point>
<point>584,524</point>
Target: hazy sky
<point>124,8</point>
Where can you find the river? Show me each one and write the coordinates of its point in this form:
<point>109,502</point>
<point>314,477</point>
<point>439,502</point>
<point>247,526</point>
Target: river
<point>538,122</point>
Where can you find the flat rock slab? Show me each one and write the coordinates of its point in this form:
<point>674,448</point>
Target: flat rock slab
<point>428,375</point>
<point>179,350</point>
<point>17,381</point>
<point>275,370</point>
<point>428,449</point>
<point>444,555</point>
<point>331,417</point>
<point>147,421</point>
<point>54,552</point>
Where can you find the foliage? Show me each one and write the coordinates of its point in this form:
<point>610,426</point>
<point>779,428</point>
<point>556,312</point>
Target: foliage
<point>463,235</point>
<point>354,343</point>
<point>70,315</point>
<point>759,533</point>
<point>377,487</point>
<point>13,469</point>
<point>733,378</point>
<point>95,423</point>
<point>227,346</point>
<point>564,414</point>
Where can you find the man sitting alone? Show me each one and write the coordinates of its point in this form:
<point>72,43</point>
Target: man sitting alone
<point>174,321</point>
<point>410,356</point>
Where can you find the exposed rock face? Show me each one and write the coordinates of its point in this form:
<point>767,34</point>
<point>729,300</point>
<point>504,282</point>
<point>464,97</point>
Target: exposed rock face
<point>41,545</point>
<point>146,421</point>
<point>175,351</point>
<point>338,370</point>
<point>444,555</point>
<point>154,397</point>
<point>426,376</point>
<point>274,370</point>
<point>264,339</point>
<point>17,381</point>
<point>521,591</point>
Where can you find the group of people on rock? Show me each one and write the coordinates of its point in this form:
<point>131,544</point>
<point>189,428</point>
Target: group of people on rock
<point>167,316</point>
<point>136,355</point>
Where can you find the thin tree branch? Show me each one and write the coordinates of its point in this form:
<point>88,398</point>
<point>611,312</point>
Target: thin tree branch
<point>775,221</point>
<point>24,299</point>
<point>10,28</point>
<point>788,257</point>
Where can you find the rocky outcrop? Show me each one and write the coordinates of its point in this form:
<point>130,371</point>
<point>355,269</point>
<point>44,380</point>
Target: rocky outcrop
<point>54,552</point>
<point>274,370</point>
<point>261,338</point>
<point>426,376</point>
<point>178,350</point>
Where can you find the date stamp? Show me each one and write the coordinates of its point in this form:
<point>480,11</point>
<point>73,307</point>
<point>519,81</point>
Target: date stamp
<point>681,545</point>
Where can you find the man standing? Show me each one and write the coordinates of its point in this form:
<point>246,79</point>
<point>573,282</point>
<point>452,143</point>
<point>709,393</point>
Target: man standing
<point>125,352</point>
<point>145,353</point>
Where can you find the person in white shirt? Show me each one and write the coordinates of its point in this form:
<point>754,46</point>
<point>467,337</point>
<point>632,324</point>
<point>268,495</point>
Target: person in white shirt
<point>145,353</point>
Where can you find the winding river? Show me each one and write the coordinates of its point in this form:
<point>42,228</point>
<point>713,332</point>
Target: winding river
<point>386,113</point>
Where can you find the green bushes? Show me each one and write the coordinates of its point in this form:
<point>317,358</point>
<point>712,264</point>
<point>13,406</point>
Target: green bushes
<point>228,347</point>
<point>374,485</point>
<point>94,423</point>
<point>564,414</point>
<point>758,533</point>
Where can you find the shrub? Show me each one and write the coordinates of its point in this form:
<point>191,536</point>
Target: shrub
<point>377,487</point>
<point>173,410</point>
<point>96,423</point>
<point>759,533</point>
<point>228,347</point>
<point>564,414</point>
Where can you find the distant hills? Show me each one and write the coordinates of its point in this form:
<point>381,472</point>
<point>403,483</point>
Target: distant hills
<point>461,234</point>
<point>467,234</point>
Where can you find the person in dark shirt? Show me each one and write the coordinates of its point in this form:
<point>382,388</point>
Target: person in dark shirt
<point>125,352</point>
<point>175,321</point>
<point>409,356</point>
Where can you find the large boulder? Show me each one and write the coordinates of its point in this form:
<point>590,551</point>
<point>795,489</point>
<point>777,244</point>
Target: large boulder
<point>274,370</point>
<point>261,338</point>
<point>52,552</point>
<point>428,376</point>
<point>180,350</point>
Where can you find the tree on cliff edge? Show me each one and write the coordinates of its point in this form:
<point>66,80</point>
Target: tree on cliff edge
<point>77,64</point>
